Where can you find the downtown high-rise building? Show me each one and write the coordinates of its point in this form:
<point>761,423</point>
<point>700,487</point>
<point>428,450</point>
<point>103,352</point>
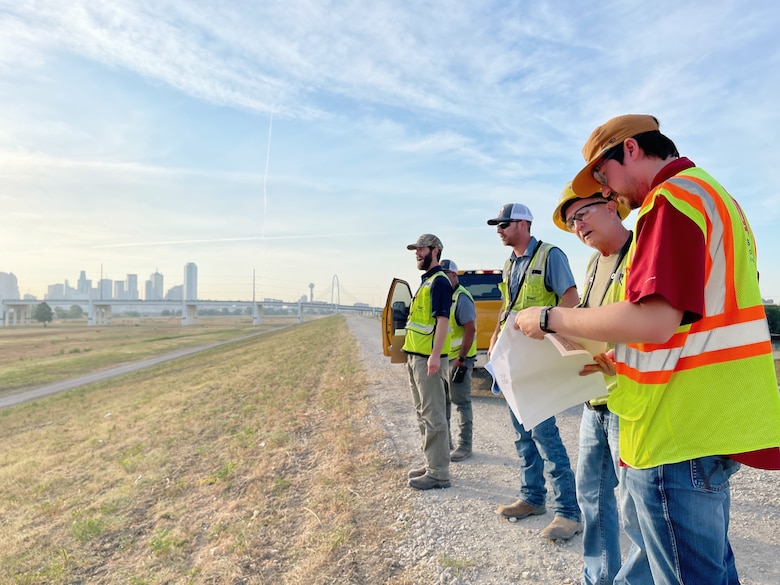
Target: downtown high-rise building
<point>131,287</point>
<point>9,287</point>
<point>104,290</point>
<point>83,286</point>
<point>154,287</point>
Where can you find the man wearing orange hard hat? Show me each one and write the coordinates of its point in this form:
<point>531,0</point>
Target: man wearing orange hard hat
<point>696,387</point>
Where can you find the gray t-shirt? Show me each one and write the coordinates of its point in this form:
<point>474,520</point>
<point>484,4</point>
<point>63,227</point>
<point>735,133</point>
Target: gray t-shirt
<point>465,310</point>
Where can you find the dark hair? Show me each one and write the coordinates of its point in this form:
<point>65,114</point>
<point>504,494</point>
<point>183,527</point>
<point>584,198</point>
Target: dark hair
<point>653,143</point>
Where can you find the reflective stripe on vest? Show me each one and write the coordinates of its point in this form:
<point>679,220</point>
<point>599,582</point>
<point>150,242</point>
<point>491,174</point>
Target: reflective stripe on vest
<point>421,323</point>
<point>456,330</point>
<point>647,365</point>
<point>711,388</point>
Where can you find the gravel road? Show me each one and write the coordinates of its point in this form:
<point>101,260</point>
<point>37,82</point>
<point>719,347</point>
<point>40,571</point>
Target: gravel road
<point>453,536</point>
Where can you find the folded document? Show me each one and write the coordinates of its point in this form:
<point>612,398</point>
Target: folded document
<point>540,379</point>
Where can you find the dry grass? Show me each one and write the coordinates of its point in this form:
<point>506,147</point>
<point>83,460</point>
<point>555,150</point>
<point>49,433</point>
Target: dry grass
<point>31,356</point>
<point>249,463</point>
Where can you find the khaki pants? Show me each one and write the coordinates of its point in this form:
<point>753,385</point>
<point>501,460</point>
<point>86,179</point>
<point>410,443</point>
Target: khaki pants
<point>429,396</point>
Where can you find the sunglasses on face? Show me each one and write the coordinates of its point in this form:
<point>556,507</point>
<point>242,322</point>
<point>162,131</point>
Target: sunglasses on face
<point>582,214</point>
<point>505,224</point>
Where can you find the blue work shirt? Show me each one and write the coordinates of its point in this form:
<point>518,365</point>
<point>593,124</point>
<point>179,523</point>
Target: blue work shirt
<point>557,275</point>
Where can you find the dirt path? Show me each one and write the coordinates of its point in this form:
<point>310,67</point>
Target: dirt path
<point>54,388</point>
<point>454,536</point>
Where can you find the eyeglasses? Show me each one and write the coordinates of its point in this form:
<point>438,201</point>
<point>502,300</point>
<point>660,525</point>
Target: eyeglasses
<point>612,153</point>
<point>582,214</point>
<point>505,224</point>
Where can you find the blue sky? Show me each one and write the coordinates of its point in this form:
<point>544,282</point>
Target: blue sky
<point>310,141</point>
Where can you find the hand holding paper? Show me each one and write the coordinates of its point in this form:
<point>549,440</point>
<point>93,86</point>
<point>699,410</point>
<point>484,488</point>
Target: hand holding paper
<point>539,379</point>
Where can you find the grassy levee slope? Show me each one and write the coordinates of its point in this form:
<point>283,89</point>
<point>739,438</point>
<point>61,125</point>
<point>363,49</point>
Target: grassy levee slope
<point>254,462</point>
<point>35,356</point>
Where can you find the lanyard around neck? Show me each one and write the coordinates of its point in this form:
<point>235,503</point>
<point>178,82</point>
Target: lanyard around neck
<point>612,277</point>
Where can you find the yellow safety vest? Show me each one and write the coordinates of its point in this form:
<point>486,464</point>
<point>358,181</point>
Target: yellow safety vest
<point>614,293</point>
<point>710,389</point>
<point>533,291</point>
<point>456,330</point>
<point>421,324</point>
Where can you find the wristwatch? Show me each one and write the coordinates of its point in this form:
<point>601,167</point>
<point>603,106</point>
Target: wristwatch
<point>543,318</point>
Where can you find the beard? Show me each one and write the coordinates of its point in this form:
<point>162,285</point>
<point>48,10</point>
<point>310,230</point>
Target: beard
<point>425,262</point>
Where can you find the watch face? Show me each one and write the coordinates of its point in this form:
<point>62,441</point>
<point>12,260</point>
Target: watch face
<point>543,316</point>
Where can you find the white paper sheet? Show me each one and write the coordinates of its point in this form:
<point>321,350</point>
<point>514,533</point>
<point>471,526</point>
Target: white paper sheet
<point>536,380</point>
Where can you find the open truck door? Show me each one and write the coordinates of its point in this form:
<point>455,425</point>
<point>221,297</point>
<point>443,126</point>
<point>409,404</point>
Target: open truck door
<point>394,315</point>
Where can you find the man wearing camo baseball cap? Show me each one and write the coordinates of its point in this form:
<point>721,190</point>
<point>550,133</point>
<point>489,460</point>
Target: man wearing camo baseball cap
<point>427,346</point>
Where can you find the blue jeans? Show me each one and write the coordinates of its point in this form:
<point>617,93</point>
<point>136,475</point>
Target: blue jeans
<point>683,514</point>
<point>596,482</point>
<point>541,451</point>
<point>598,469</point>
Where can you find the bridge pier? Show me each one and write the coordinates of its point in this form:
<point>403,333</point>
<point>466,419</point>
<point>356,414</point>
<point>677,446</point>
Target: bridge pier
<point>257,313</point>
<point>99,314</point>
<point>189,314</point>
<point>16,314</point>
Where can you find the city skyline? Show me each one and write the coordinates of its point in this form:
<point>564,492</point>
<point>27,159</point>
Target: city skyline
<point>154,288</point>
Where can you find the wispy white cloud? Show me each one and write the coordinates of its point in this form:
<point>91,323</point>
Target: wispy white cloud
<point>147,123</point>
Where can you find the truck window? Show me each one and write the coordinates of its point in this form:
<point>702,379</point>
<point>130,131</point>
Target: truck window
<point>483,286</point>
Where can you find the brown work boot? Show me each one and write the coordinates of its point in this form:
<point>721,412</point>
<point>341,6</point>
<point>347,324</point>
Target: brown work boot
<point>520,509</point>
<point>416,472</point>
<point>561,529</point>
<point>426,482</point>
<point>460,454</point>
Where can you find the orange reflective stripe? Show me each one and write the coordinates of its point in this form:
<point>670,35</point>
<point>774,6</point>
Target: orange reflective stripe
<point>728,234</point>
<point>638,377</point>
<point>754,313</point>
<point>676,340</point>
<point>727,354</point>
<point>729,339</point>
<point>694,361</point>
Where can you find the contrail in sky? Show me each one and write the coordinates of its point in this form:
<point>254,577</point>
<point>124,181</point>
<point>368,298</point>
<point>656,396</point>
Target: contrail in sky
<point>265,176</point>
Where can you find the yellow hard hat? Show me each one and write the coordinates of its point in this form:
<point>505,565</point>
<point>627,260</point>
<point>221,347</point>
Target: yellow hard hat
<point>568,195</point>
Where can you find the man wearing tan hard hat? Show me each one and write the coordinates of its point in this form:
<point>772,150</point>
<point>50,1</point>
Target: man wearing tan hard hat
<point>696,387</point>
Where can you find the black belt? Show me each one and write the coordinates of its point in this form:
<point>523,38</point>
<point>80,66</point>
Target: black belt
<point>596,407</point>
